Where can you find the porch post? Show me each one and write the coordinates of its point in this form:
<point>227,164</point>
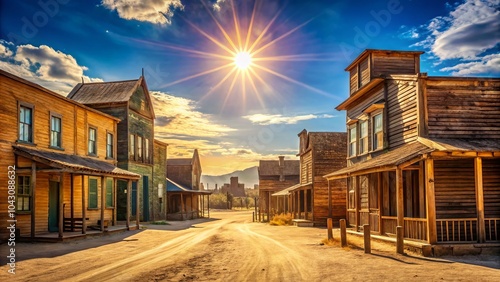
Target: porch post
<point>478,172</point>
<point>379,202</point>
<point>357,201</point>
<point>137,207</point>
<point>33,199</point>
<point>400,197</point>
<point>208,206</point>
<point>129,192</point>
<point>182,207</point>
<point>268,205</point>
<point>305,204</point>
<point>61,206</point>
<point>329,200</point>
<point>421,189</point>
<point>115,200</point>
<point>84,209</point>
<point>72,204</point>
<point>103,202</point>
<point>431,201</point>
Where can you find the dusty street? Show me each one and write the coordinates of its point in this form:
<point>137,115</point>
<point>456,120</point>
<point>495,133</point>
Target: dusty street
<point>229,247</point>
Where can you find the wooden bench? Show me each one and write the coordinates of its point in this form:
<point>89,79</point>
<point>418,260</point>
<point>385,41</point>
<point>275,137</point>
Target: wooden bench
<point>73,224</point>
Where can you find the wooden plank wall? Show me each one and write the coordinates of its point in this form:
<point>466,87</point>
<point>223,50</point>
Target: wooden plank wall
<point>393,63</point>
<point>455,188</point>
<point>353,80</point>
<point>364,72</point>
<point>491,184</point>
<point>463,108</point>
<point>306,166</point>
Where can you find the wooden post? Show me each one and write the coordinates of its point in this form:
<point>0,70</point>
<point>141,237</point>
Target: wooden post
<point>400,240</point>
<point>61,206</point>
<point>182,207</point>
<point>84,208</point>
<point>115,200</point>
<point>33,200</point>
<point>129,193</point>
<point>268,205</point>
<point>379,202</point>
<point>400,197</point>
<point>329,200</point>
<point>343,233</point>
<point>329,224</point>
<point>306,206</point>
<point>431,201</point>
<point>208,206</point>
<point>137,207</point>
<point>421,189</point>
<point>366,236</point>
<point>357,202</point>
<point>103,202</point>
<point>72,203</point>
<point>478,172</point>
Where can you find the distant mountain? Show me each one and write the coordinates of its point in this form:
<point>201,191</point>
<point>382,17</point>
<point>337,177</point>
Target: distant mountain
<point>248,176</point>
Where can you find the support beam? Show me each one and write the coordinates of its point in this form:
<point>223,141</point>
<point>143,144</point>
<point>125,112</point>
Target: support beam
<point>400,197</point>
<point>137,207</point>
<point>305,204</point>
<point>115,200</point>
<point>103,202</point>
<point>431,201</point>
<point>357,202</point>
<point>208,210</point>
<point>84,208</point>
<point>129,193</point>
<point>478,172</point>
<point>329,200</point>
<point>61,207</point>
<point>33,200</point>
<point>72,203</point>
<point>421,189</point>
<point>379,201</point>
<point>182,207</point>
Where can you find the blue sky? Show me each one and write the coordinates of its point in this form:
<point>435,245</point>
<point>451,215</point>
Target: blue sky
<point>186,48</point>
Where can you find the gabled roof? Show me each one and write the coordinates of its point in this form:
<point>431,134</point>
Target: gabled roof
<point>104,92</point>
<point>73,163</point>
<point>175,187</point>
<point>271,167</point>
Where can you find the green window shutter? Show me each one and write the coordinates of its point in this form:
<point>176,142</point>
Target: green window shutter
<point>92,193</point>
<point>109,192</point>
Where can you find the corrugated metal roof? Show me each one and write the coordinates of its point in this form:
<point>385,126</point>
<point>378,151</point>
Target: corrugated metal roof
<point>104,92</point>
<point>73,162</point>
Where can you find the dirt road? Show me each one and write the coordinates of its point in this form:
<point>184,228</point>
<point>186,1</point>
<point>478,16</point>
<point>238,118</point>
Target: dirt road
<point>229,247</point>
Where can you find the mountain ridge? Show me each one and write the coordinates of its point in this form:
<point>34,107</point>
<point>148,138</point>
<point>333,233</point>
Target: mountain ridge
<point>248,176</point>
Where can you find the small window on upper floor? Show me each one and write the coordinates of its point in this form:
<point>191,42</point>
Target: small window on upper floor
<point>25,123</point>
<point>109,145</point>
<point>378,131</point>
<point>363,137</point>
<point>92,149</point>
<point>55,131</point>
<point>131,147</point>
<point>352,140</point>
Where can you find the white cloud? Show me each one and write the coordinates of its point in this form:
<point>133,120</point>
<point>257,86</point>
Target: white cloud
<point>154,11</point>
<point>488,64</point>
<point>43,65</point>
<point>266,119</point>
<point>216,5</point>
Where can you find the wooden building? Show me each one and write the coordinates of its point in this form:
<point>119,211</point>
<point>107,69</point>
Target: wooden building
<point>158,199</point>
<point>274,176</point>
<point>130,102</point>
<point>313,199</point>
<point>234,188</point>
<point>185,194</point>
<point>423,152</point>
<point>61,157</point>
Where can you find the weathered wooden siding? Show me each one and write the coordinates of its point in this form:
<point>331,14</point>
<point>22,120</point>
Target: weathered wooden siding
<point>159,175</point>
<point>491,184</point>
<point>402,111</point>
<point>139,102</point>
<point>455,188</point>
<point>463,108</point>
<point>181,174</point>
<point>364,72</point>
<point>122,129</point>
<point>353,80</point>
<point>392,63</point>
<point>306,166</point>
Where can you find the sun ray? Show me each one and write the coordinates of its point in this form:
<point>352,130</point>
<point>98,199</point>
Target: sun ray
<point>211,38</point>
<point>254,87</point>
<point>289,79</point>
<point>228,38</point>
<point>259,38</point>
<point>219,83</point>
<point>280,38</point>
<point>197,75</point>
<point>230,89</point>
<point>236,25</point>
<point>295,58</point>
<point>250,26</point>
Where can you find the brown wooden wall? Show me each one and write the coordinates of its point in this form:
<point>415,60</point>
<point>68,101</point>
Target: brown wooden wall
<point>463,108</point>
<point>454,184</point>
<point>306,168</point>
<point>393,63</point>
<point>181,174</point>
<point>491,184</point>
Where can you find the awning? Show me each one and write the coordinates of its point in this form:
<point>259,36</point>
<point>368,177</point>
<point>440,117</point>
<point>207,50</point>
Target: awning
<point>73,163</point>
<point>416,151</point>
<point>173,187</point>
<point>287,191</point>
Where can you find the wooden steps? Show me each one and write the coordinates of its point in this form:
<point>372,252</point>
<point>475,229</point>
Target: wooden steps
<point>302,223</point>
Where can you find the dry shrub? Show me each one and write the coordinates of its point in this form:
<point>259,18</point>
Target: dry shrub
<point>282,219</point>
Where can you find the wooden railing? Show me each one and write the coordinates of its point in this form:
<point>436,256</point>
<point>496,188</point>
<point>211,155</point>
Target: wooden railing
<point>364,217</point>
<point>492,229</point>
<point>389,224</point>
<point>416,228</point>
<point>456,230</point>
<point>351,217</point>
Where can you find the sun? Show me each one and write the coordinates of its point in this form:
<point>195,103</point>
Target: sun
<point>243,60</point>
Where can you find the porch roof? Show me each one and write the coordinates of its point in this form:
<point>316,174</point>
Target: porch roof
<point>174,187</point>
<point>73,163</point>
<point>413,152</point>
<point>287,191</point>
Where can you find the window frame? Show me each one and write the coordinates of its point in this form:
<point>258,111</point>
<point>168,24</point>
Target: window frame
<point>94,154</point>
<point>56,116</point>
<point>375,133</point>
<point>146,151</point>
<point>363,140</point>
<point>109,193</point>
<point>352,144</point>
<point>140,148</point>
<point>96,194</point>
<point>110,148</point>
<point>132,147</point>
<point>24,195</point>
<point>31,132</point>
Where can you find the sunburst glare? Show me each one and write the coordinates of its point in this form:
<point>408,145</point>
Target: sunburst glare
<point>243,60</point>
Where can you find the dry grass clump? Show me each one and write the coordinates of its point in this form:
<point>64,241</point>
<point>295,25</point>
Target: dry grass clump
<point>282,219</point>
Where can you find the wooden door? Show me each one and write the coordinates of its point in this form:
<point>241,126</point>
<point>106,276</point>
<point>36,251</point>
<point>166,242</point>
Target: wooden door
<point>53,206</point>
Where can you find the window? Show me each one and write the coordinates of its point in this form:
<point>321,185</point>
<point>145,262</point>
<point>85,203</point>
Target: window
<point>146,150</point>
<point>132,147</point>
<point>378,132</point>
<point>26,124</point>
<point>109,192</point>
<point>109,145</point>
<point>55,131</point>
<point>23,193</point>
<point>352,141</point>
<point>351,201</point>
<point>139,148</point>
<point>363,137</point>
<point>92,141</point>
<point>92,193</point>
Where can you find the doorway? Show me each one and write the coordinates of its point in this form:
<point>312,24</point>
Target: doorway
<point>53,206</point>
